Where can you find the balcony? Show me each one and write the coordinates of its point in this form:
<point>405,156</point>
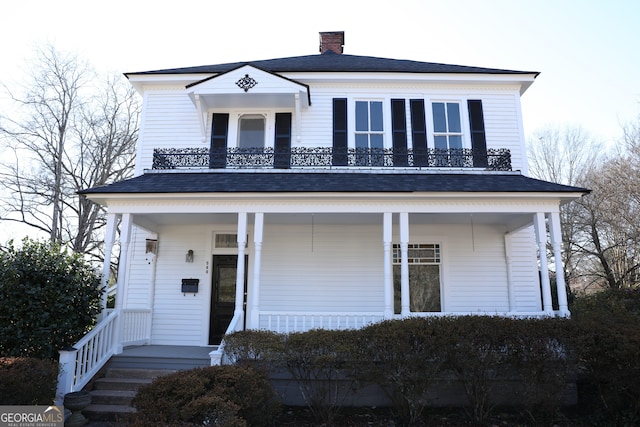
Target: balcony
<point>326,157</point>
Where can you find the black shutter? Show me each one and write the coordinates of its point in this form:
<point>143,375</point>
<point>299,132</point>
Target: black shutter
<point>282,151</point>
<point>339,131</point>
<point>419,133</point>
<point>478,138</point>
<point>218,150</point>
<point>399,132</point>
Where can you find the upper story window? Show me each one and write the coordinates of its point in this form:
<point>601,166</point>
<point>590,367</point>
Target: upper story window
<point>369,127</point>
<point>369,133</point>
<point>251,131</point>
<point>447,128</point>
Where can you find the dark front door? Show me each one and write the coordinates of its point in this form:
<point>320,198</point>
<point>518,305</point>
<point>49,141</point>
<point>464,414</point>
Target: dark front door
<point>223,295</point>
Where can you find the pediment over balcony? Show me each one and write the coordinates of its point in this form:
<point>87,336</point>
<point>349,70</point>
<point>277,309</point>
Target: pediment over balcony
<point>249,87</point>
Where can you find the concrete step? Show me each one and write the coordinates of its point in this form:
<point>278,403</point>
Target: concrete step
<point>137,373</point>
<point>120,383</point>
<point>112,397</point>
<point>170,363</point>
<point>114,413</point>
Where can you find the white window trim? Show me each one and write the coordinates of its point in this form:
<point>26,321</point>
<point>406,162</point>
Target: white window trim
<point>464,119</point>
<point>444,264</point>
<point>386,119</point>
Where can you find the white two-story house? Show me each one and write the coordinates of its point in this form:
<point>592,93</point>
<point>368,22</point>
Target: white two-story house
<point>329,191</point>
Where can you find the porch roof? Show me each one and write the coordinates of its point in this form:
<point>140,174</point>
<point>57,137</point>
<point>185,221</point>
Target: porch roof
<point>329,182</point>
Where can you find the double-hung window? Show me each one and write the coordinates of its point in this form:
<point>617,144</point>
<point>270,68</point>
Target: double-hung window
<point>369,133</point>
<point>447,133</point>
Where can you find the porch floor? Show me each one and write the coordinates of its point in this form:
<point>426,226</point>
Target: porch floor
<point>168,351</point>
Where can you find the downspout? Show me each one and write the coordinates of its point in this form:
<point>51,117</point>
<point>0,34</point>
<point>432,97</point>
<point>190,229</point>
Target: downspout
<point>508,248</point>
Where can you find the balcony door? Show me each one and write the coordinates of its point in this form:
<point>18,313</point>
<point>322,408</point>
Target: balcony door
<point>223,295</point>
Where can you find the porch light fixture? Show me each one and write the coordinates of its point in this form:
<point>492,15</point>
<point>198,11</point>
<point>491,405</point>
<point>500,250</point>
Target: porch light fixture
<point>189,256</point>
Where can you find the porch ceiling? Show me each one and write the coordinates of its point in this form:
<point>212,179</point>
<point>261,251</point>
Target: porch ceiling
<point>153,221</point>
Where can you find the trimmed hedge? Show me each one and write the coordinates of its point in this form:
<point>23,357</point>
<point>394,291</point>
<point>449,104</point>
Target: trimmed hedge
<point>406,357</point>
<point>27,381</point>
<point>609,323</point>
<point>228,396</point>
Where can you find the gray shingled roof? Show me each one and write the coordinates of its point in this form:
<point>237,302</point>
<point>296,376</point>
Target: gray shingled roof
<point>333,62</point>
<point>250,182</point>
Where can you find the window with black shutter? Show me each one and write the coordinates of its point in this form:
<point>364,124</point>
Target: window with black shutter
<point>399,132</point>
<point>419,133</point>
<point>219,131</point>
<point>339,131</point>
<point>282,148</point>
<point>478,138</point>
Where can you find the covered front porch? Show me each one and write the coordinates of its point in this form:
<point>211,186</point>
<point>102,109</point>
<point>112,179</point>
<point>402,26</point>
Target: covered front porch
<point>318,250</point>
<point>299,271</point>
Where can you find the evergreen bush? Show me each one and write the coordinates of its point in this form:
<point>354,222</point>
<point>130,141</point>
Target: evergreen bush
<point>49,299</point>
<point>27,381</point>
<point>228,396</point>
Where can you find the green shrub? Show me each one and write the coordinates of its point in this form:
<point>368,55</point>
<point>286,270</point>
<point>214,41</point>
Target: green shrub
<point>322,363</point>
<point>230,396</point>
<point>48,299</point>
<point>609,324</point>
<point>255,346</point>
<point>543,355</point>
<point>403,357</point>
<point>27,381</point>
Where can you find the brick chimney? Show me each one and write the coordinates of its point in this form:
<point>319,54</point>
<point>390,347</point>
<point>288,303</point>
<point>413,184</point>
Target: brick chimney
<point>332,40</point>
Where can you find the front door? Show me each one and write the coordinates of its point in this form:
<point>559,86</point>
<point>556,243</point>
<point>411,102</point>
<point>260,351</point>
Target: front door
<point>223,295</point>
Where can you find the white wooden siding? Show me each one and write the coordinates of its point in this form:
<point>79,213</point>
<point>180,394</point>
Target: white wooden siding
<point>140,272</point>
<point>178,317</point>
<point>525,274</point>
<point>329,268</point>
<point>171,119</point>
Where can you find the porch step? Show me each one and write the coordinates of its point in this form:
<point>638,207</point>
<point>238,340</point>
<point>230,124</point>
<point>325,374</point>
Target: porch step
<point>128,384</point>
<point>112,397</point>
<point>124,374</point>
<point>158,363</point>
<point>111,413</point>
<point>112,394</point>
<point>136,373</point>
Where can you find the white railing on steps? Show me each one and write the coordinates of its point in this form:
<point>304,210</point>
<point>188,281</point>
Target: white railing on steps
<point>78,364</point>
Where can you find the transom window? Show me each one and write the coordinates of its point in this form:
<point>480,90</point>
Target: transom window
<point>369,133</point>
<point>424,261</point>
<point>251,131</point>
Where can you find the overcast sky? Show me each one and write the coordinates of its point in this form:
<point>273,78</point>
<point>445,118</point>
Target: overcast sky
<point>587,51</point>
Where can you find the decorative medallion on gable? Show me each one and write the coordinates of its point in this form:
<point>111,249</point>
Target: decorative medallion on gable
<point>246,83</point>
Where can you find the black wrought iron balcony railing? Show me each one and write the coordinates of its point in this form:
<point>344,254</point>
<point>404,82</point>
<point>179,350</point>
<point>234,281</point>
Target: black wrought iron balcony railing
<point>325,157</point>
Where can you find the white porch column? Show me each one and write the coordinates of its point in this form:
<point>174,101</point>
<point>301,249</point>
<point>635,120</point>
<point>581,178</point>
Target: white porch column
<point>258,227</point>
<point>541,238</point>
<point>123,267</point>
<point>404,264</point>
<point>242,243</point>
<point>387,236</point>
<point>556,243</point>
<point>109,238</point>
<point>508,248</point>
<point>151,252</point>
